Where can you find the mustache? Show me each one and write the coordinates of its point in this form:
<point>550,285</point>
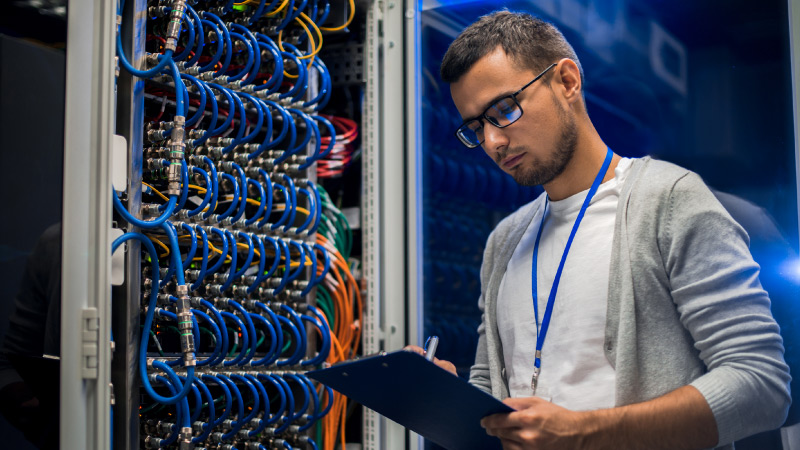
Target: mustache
<point>503,155</point>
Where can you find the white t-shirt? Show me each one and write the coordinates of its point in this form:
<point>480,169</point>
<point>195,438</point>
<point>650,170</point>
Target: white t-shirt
<point>575,373</point>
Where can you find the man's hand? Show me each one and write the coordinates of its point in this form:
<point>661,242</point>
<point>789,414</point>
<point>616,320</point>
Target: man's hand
<point>536,423</point>
<point>680,419</point>
<point>446,365</point>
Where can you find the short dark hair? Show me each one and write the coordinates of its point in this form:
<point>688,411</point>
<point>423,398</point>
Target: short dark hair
<point>528,40</point>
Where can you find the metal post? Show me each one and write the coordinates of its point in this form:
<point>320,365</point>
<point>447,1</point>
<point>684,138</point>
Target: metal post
<point>86,267</point>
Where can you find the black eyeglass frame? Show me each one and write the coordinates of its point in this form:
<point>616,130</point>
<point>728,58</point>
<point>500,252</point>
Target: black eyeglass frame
<point>493,121</point>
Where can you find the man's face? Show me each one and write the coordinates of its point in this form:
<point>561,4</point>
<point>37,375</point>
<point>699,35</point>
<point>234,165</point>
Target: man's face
<point>538,146</point>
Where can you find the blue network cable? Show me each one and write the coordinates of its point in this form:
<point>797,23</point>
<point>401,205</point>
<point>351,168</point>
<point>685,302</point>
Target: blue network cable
<point>208,195</point>
<point>279,389</point>
<point>242,180</point>
<point>217,335</point>
<point>315,155</point>
<point>289,411</point>
<point>302,258</point>
<point>232,269</point>
<point>228,399</point>
<point>201,91</point>
<point>292,191</point>
<point>242,124</point>
<point>288,17</point>
<point>237,394</point>
<point>275,263</point>
<point>326,266</point>
<point>288,206</point>
<point>253,42</point>
<point>273,347</point>
<point>217,55</point>
<point>312,210</point>
<point>262,423</point>
<point>300,84</point>
<point>208,425</point>
<point>121,210</point>
<point>331,133</point>
<point>231,110</point>
<point>276,324</point>
<point>190,27</point>
<point>192,247</point>
<point>251,331</point>
<point>227,39</point>
<point>306,396</point>
<point>297,326</point>
<point>250,58</point>
<point>221,259</point>
<point>198,25</point>
<point>245,339</point>
<point>173,436</point>
<point>233,206</point>
<point>242,420</point>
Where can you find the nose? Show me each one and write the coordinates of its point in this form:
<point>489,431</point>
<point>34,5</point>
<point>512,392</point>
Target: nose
<point>495,140</point>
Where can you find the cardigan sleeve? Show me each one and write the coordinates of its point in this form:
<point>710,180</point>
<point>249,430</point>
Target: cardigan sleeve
<point>715,286</point>
<point>479,373</point>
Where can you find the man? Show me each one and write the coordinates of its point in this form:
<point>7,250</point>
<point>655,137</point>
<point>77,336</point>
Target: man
<point>655,331</point>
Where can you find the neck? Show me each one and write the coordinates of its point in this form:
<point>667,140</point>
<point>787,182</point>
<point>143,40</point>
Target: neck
<point>581,170</point>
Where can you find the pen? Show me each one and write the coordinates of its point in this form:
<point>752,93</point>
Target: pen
<point>430,347</point>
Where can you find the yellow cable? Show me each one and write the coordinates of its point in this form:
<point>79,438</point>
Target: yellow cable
<point>200,189</point>
<point>314,47</point>
<point>244,246</point>
<point>214,249</point>
<point>280,8</point>
<point>160,244</point>
<point>319,36</point>
<point>299,209</point>
<point>349,19</point>
<point>157,191</point>
<point>251,201</point>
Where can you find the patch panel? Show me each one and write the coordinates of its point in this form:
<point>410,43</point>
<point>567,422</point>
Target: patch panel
<point>237,238</point>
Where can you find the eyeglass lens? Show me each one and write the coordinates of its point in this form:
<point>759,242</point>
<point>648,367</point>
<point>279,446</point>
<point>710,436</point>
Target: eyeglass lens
<point>501,114</point>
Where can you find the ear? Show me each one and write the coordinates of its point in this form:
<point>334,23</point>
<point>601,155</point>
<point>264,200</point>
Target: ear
<point>568,79</point>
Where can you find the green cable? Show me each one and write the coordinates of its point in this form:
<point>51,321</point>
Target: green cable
<point>158,344</point>
<point>325,302</point>
<point>216,400</point>
<point>152,407</point>
<point>235,343</point>
<point>263,336</point>
<point>210,333</point>
<point>288,341</point>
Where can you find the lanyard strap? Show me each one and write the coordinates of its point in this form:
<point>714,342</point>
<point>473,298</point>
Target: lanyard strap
<point>540,334</point>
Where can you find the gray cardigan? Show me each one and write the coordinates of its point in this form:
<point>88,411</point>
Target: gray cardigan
<point>685,305</point>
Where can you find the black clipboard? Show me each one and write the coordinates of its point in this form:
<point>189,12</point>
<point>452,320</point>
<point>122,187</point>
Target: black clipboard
<point>414,392</point>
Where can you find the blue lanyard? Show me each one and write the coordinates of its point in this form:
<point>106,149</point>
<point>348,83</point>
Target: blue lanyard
<point>540,334</point>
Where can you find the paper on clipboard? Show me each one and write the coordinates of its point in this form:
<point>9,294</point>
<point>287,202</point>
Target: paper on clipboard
<point>419,395</point>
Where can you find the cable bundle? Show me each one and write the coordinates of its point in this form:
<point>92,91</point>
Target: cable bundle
<point>228,223</point>
<point>339,298</point>
<point>343,153</point>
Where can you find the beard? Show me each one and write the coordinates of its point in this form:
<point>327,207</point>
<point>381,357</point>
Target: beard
<point>543,171</point>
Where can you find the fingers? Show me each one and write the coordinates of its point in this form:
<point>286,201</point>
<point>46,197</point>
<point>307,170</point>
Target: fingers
<point>511,445</point>
<point>446,365</point>
<point>520,403</point>
<point>495,421</point>
<point>415,349</point>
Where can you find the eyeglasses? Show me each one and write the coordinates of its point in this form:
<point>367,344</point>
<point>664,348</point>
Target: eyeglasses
<point>501,114</point>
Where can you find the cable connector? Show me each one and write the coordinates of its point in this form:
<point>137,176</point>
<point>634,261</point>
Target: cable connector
<point>176,151</point>
<point>174,26</point>
<point>186,439</point>
<point>152,442</point>
<point>185,325</point>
